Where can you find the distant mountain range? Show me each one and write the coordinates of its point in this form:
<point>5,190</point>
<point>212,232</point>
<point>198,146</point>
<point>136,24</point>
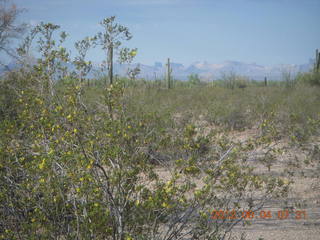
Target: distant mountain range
<point>207,71</point>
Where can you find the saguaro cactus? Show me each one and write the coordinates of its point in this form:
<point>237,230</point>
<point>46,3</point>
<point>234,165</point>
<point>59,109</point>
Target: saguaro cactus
<point>317,62</point>
<point>265,81</point>
<point>169,71</point>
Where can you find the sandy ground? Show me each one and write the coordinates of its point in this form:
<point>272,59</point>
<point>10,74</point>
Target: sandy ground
<point>304,194</point>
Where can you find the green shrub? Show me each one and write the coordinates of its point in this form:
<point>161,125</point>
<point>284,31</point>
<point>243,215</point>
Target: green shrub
<point>311,78</point>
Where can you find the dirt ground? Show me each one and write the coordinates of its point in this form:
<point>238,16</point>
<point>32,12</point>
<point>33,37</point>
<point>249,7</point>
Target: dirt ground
<point>304,194</point>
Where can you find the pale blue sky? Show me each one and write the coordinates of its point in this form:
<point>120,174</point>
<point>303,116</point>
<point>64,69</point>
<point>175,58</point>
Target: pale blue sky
<point>261,31</point>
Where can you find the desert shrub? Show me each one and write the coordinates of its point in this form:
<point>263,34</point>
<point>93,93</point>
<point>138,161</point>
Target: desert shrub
<point>312,78</point>
<point>75,172</point>
<point>193,79</point>
<point>11,86</point>
<point>288,80</point>
<point>285,109</point>
<point>231,80</point>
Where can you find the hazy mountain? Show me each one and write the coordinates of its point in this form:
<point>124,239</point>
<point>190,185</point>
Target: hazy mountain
<point>206,71</point>
<point>209,71</point>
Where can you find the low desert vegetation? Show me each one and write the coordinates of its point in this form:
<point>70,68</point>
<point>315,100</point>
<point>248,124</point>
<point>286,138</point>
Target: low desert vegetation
<point>123,158</point>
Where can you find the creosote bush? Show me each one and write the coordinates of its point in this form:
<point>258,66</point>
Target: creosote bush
<point>73,172</point>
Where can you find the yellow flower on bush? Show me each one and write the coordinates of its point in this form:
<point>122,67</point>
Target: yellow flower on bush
<point>50,151</point>
<point>197,193</point>
<point>286,181</point>
<point>168,187</point>
<point>41,165</point>
<point>169,190</point>
<point>58,108</point>
<point>89,166</point>
<point>133,53</point>
<point>165,205</point>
